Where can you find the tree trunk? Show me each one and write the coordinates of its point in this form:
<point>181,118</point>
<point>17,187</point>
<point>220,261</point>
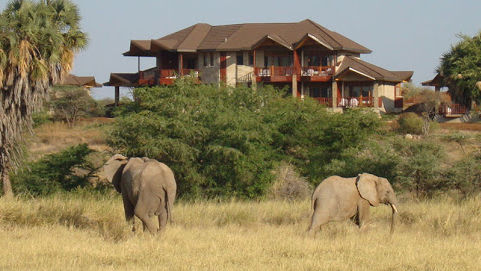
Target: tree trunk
<point>7,186</point>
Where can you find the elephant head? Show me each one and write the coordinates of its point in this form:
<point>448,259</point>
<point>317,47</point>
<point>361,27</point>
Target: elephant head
<point>112,170</point>
<point>377,190</point>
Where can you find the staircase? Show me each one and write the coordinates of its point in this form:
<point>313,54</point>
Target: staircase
<point>246,79</point>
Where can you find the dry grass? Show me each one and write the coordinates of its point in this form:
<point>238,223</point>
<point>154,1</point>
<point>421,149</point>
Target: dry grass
<point>466,126</point>
<point>54,137</point>
<point>89,234</point>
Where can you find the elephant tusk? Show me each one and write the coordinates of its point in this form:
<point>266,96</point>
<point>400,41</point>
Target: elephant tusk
<point>394,208</point>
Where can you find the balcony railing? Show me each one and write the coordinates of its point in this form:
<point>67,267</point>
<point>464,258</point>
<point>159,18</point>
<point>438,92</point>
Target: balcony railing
<point>274,71</point>
<point>155,75</point>
<point>358,101</point>
<point>453,109</point>
<point>317,71</point>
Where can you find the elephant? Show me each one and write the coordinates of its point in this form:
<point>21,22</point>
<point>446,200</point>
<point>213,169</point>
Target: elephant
<point>147,186</point>
<point>337,198</point>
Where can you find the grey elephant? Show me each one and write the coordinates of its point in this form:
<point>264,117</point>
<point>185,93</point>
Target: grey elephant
<point>147,186</point>
<point>337,198</point>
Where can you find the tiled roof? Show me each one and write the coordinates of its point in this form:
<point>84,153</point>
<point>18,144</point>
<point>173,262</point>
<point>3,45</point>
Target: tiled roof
<point>244,37</point>
<point>350,63</point>
<point>81,81</point>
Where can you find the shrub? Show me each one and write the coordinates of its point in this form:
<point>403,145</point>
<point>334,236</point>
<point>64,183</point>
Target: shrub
<point>410,123</point>
<point>52,173</point>
<point>289,185</point>
<point>40,118</point>
<point>465,175</point>
<point>419,168</point>
<point>71,103</point>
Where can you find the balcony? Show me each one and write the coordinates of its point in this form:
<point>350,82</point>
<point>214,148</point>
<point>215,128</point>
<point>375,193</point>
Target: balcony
<point>352,102</point>
<point>452,110</point>
<point>274,74</point>
<point>156,76</point>
<point>317,73</point>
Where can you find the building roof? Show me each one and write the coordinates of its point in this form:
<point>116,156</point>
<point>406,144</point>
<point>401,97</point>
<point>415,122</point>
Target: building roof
<point>81,81</point>
<point>123,79</point>
<point>371,71</point>
<point>238,37</point>
<point>437,81</point>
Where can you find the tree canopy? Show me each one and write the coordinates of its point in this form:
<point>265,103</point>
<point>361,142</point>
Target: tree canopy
<point>461,70</point>
<point>38,41</point>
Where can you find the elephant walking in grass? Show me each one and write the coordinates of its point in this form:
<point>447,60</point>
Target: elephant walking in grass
<point>147,186</point>
<point>337,198</point>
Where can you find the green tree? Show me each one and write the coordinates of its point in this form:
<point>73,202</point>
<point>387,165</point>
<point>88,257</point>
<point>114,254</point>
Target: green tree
<point>38,41</point>
<point>461,70</point>
<point>70,103</point>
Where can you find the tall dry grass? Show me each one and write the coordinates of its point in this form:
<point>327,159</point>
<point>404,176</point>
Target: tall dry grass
<point>88,233</point>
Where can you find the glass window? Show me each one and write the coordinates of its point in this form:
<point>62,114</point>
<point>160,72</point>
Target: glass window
<point>211,59</point>
<point>266,61</point>
<point>240,58</point>
<point>251,59</point>
<point>206,60</point>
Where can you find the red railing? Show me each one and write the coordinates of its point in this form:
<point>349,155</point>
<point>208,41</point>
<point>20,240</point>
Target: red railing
<point>317,71</point>
<point>323,101</point>
<point>274,71</point>
<point>453,109</point>
<point>168,73</point>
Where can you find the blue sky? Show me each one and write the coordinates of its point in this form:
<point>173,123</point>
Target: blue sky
<point>403,35</point>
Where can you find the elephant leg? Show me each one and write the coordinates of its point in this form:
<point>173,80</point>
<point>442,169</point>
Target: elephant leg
<point>144,210</point>
<point>319,218</point>
<point>162,220</point>
<point>129,211</point>
<point>363,214</point>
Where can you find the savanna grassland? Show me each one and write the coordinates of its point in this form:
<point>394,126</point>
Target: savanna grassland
<point>85,229</point>
<point>88,233</point>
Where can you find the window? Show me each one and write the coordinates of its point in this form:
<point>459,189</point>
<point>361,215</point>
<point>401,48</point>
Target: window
<point>266,61</point>
<point>319,91</point>
<point>363,91</point>
<point>206,60</point>
<point>240,58</point>
<point>251,59</point>
<point>212,59</point>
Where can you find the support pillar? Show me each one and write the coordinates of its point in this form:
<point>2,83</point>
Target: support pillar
<point>294,85</point>
<point>181,63</point>
<point>117,96</point>
<point>376,95</point>
<point>334,94</point>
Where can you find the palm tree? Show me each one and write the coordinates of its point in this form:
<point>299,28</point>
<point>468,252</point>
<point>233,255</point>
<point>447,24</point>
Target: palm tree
<point>38,41</point>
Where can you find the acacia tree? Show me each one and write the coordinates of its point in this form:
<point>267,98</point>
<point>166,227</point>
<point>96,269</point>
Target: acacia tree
<point>461,70</point>
<point>38,41</point>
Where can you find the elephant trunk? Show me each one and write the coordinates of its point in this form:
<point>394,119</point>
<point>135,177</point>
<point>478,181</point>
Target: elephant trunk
<point>393,218</point>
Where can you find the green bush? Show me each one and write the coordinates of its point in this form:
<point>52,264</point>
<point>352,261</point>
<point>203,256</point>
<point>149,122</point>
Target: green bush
<point>222,141</point>
<point>465,175</point>
<point>420,167</point>
<point>40,118</point>
<point>52,173</point>
<point>410,123</point>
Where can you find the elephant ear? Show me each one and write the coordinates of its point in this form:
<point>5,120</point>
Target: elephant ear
<point>122,161</point>
<point>366,185</point>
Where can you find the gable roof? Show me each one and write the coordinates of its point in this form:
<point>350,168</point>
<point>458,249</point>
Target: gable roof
<point>123,79</point>
<point>238,37</point>
<point>371,71</point>
<point>81,81</point>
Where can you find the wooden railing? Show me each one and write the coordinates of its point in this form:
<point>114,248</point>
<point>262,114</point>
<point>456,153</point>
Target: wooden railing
<point>274,71</point>
<point>317,71</point>
<point>168,73</point>
<point>358,101</point>
<point>453,109</point>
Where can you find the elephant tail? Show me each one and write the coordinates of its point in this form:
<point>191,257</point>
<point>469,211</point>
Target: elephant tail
<point>168,206</point>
